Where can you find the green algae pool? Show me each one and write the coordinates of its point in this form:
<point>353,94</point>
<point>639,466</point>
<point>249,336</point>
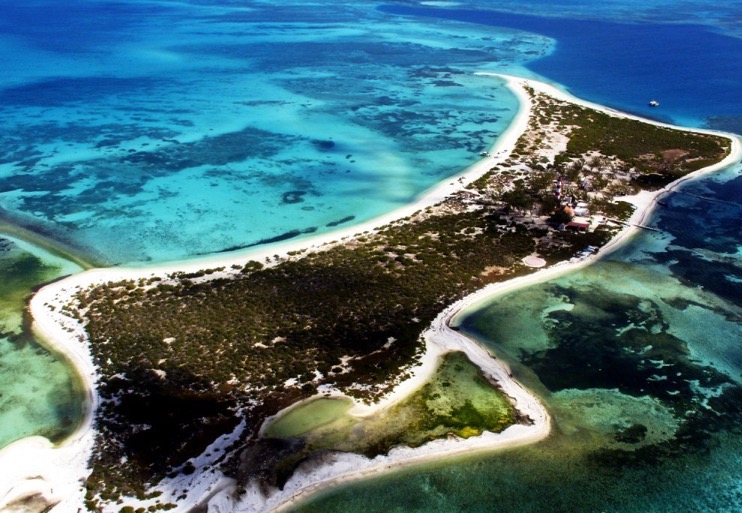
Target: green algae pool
<point>457,400</point>
<point>308,417</point>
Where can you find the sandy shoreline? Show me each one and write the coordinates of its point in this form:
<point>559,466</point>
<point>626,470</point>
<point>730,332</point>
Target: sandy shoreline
<point>33,465</point>
<point>440,339</point>
<point>38,467</point>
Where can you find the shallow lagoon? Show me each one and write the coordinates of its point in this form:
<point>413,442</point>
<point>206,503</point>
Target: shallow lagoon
<point>456,400</point>
<point>40,392</point>
<point>636,357</point>
<point>239,126</point>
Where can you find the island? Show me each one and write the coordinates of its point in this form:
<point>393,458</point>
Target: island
<point>195,370</point>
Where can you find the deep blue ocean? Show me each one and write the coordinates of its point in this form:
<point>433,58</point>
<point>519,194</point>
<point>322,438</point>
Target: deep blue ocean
<point>140,131</point>
<point>692,70</point>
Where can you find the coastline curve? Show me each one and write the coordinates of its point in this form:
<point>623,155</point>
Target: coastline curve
<point>55,473</point>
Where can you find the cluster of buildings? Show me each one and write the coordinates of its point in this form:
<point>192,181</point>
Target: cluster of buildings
<point>577,210</point>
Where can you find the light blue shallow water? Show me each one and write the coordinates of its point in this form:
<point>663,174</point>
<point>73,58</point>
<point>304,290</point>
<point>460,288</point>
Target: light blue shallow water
<point>147,131</point>
<point>236,125</point>
<point>638,360</point>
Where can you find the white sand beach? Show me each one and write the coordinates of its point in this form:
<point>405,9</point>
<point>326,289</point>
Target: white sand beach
<point>34,467</point>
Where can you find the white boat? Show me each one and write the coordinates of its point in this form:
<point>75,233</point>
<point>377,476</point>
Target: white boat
<point>654,103</point>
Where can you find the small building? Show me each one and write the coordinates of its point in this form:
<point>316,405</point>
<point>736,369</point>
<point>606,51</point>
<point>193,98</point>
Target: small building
<point>578,226</point>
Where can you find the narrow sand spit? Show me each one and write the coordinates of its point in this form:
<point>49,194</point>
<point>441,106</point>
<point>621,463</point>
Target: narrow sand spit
<point>343,468</point>
<point>32,467</point>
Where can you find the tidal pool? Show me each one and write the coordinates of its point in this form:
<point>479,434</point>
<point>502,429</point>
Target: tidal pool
<point>40,392</point>
<point>458,400</point>
<point>308,417</point>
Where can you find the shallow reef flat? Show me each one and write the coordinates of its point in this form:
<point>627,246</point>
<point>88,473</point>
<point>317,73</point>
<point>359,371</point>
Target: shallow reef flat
<point>239,127</point>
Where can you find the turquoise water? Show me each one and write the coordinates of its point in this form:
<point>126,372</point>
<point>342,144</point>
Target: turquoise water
<point>238,124</point>
<point>142,131</point>
<point>246,123</point>
<point>638,360</point>
<point>692,69</point>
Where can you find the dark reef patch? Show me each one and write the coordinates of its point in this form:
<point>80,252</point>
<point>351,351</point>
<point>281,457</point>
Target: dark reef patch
<point>323,145</point>
<point>446,83</point>
<point>340,221</point>
<point>127,175</point>
<point>61,91</point>
<point>725,123</point>
<point>292,197</point>
<point>589,350</point>
<point>278,238</point>
<point>285,236</point>
<point>633,434</point>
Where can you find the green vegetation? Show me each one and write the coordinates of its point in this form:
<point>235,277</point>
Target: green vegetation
<point>180,353</point>
<point>458,400</point>
<point>183,359</point>
<point>649,149</point>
